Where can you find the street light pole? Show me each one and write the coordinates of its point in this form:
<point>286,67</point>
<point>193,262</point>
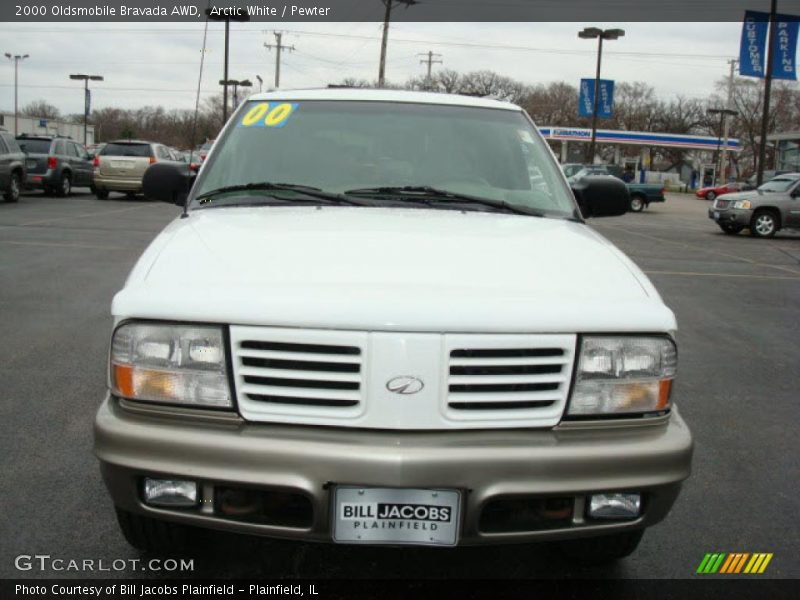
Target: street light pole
<point>85,79</point>
<point>236,84</point>
<point>227,15</point>
<point>589,33</point>
<point>16,58</point>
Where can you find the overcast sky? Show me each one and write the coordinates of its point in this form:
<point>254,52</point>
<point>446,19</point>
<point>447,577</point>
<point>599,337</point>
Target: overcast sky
<point>159,63</point>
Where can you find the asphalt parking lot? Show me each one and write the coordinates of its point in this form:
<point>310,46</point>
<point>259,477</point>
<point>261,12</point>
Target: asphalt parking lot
<point>736,299</point>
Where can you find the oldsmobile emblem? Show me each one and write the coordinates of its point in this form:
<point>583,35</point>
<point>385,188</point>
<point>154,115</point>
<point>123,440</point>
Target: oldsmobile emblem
<point>405,385</point>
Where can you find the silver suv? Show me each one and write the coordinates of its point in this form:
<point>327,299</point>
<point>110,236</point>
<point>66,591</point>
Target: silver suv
<point>773,206</point>
<point>120,166</point>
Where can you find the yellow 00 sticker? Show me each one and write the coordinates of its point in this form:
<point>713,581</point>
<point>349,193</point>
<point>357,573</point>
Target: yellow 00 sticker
<point>268,114</point>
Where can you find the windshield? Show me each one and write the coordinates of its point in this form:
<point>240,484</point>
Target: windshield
<point>778,185</point>
<point>337,146</point>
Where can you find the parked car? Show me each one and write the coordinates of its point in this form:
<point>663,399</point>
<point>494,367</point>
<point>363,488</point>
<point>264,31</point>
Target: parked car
<point>120,165</point>
<point>641,194</point>
<point>772,207</point>
<point>55,164</point>
<point>768,174</point>
<point>711,192</point>
<point>370,327</point>
<point>12,167</point>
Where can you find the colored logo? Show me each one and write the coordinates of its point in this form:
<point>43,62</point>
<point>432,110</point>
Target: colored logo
<point>734,563</point>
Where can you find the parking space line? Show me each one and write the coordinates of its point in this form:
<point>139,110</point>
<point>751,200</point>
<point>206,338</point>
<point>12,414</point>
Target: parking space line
<point>742,276</point>
<point>91,214</point>
<point>702,249</point>
<point>58,245</point>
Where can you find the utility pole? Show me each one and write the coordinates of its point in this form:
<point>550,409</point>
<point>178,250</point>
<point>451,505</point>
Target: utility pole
<point>385,40</point>
<point>726,122</point>
<point>762,143</point>
<point>432,58</point>
<point>723,113</point>
<point>16,58</point>
<point>278,47</point>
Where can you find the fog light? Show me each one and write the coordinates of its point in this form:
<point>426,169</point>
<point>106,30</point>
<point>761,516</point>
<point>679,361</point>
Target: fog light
<point>615,506</point>
<point>170,492</point>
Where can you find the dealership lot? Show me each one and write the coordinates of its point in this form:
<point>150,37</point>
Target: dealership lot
<point>735,298</point>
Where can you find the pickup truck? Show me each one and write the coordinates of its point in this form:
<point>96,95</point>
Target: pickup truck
<point>641,194</point>
<point>369,325</point>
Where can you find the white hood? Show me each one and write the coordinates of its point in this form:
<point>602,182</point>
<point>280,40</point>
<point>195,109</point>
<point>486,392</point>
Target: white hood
<point>390,269</point>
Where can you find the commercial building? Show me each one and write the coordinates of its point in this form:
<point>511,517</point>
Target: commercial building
<point>40,126</point>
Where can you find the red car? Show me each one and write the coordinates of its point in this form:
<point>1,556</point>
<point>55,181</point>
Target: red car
<point>709,193</point>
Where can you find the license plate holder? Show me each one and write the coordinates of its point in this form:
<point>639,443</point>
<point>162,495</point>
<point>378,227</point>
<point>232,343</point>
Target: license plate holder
<point>396,516</point>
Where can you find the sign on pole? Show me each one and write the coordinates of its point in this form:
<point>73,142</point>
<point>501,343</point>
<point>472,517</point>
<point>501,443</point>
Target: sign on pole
<point>605,107</point>
<point>752,52</point>
<point>784,54</point>
<point>753,49</point>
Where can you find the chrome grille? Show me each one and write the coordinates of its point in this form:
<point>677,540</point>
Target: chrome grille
<point>721,203</point>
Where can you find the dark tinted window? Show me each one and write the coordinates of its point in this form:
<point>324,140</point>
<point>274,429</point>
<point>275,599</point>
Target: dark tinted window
<point>125,149</point>
<point>60,147</point>
<point>34,146</point>
<point>3,148</point>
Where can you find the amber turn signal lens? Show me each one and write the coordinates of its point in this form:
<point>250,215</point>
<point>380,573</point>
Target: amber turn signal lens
<point>123,378</point>
<point>664,390</point>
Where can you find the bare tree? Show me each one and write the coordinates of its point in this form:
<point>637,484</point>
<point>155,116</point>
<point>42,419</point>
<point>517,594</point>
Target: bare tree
<point>40,109</point>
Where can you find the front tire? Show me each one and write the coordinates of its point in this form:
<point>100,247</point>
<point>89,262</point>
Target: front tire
<point>711,196</point>
<point>602,549</point>
<point>151,535</point>
<point>638,203</point>
<point>764,224</point>
<point>14,187</point>
<point>101,194</point>
<point>64,186</point>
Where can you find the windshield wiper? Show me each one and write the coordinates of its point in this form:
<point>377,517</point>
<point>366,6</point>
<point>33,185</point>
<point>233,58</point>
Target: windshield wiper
<point>427,193</point>
<point>269,186</point>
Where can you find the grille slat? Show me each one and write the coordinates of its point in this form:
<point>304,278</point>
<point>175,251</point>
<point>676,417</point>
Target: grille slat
<point>491,379</point>
<point>299,374</point>
<point>299,393</point>
<point>299,356</point>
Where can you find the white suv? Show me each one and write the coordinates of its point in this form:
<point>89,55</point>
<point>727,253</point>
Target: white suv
<point>372,326</point>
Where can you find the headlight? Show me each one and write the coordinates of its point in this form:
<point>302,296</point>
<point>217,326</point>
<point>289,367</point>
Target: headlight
<point>742,204</point>
<point>623,375</point>
<point>174,364</point>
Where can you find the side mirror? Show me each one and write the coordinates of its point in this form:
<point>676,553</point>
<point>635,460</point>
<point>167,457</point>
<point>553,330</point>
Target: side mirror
<point>601,196</point>
<point>168,182</point>
<point>89,156</point>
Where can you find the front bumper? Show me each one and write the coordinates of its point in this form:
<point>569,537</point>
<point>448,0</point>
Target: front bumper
<point>738,217</point>
<point>488,466</point>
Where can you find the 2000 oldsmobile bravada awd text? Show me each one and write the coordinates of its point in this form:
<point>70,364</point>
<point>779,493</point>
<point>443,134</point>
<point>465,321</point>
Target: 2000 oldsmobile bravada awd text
<point>381,319</point>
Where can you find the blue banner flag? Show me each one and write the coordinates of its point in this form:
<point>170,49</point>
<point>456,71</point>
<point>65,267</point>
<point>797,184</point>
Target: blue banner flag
<point>605,107</point>
<point>784,48</point>
<point>752,52</point>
